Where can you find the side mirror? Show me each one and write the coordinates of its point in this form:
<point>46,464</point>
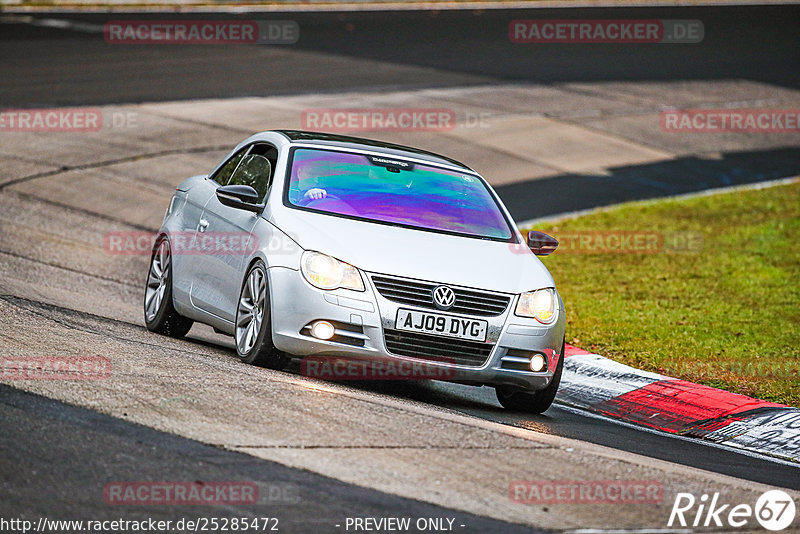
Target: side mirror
<point>541,244</point>
<point>242,197</point>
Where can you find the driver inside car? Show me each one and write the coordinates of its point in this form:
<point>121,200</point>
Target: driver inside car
<point>306,174</point>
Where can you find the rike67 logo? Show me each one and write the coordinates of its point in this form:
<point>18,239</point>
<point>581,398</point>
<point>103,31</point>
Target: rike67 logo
<point>774,510</point>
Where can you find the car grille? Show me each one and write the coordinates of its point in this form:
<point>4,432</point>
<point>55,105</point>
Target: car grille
<point>437,348</point>
<point>469,301</point>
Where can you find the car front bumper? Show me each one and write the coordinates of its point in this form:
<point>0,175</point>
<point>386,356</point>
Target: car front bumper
<point>362,320</point>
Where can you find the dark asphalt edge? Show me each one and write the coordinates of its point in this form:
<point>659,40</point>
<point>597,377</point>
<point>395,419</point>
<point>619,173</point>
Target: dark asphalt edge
<point>103,426</point>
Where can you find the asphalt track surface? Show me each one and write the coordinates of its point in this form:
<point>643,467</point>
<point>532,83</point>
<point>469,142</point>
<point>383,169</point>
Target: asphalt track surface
<point>454,48</point>
<point>457,49</point>
<point>382,51</point>
<point>66,481</point>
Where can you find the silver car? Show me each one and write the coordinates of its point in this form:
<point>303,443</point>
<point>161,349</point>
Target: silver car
<point>329,247</point>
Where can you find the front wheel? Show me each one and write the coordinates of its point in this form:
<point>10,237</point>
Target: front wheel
<point>519,400</point>
<point>159,313</point>
<point>253,324</point>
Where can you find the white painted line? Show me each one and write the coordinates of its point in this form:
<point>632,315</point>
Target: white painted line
<point>330,6</point>
<point>61,24</point>
<point>646,202</point>
<point>744,452</point>
<point>776,432</point>
<point>591,378</point>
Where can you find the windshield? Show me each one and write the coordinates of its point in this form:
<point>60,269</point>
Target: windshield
<point>394,191</point>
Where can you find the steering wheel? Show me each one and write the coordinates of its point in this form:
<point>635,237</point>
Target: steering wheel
<point>306,201</point>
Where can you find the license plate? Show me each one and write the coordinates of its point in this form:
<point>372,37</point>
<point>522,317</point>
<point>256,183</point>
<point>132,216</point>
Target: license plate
<point>441,325</point>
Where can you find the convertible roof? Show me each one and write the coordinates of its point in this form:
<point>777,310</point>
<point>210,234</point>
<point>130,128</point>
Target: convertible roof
<point>355,142</point>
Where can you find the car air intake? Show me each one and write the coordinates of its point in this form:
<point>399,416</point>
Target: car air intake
<point>437,348</point>
<point>416,293</point>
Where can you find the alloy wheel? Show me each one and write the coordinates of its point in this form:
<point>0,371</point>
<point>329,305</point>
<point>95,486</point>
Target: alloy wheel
<point>251,311</point>
<point>157,280</point>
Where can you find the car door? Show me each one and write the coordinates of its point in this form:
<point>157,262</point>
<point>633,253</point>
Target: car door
<point>185,258</point>
<point>224,235</point>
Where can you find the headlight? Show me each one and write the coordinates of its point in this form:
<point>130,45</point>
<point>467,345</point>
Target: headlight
<point>540,304</point>
<point>325,272</point>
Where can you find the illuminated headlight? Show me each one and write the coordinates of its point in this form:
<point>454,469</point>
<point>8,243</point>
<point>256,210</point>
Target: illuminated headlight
<point>322,330</point>
<point>540,305</point>
<point>325,272</point>
<point>538,363</point>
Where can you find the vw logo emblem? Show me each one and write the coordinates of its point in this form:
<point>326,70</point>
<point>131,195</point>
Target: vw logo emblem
<point>443,297</point>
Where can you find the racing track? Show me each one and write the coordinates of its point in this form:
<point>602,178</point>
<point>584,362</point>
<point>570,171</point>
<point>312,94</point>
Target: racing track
<point>62,294</point>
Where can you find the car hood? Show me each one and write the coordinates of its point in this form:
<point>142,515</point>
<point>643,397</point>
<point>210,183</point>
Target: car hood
<point>392,250</point>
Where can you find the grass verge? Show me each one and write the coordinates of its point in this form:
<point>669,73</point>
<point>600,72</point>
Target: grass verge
<point>708,289</point>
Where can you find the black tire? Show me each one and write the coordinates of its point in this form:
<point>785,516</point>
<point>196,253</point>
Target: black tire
<point>520,400</point>
<point>259,351</point>
<point>165,320</point>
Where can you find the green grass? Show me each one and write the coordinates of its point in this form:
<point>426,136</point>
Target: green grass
<point>726,315</point>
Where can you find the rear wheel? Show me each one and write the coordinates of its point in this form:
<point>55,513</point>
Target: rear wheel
<point>521,400</point>
<point>159,313</point>
<point>253,325</point>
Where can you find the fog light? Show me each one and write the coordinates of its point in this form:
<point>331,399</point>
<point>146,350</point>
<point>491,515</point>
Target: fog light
<point>538,363</point>
<point>322,330</point>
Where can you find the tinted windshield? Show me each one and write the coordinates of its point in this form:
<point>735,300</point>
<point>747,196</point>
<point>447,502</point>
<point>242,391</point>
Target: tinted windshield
<point>394,191</point>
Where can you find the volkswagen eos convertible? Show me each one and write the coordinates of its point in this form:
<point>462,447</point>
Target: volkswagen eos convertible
<point>364,250</point>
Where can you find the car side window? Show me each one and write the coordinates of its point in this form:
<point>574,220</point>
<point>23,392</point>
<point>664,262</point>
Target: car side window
<point>223,175</point>
<point>256,170</point>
